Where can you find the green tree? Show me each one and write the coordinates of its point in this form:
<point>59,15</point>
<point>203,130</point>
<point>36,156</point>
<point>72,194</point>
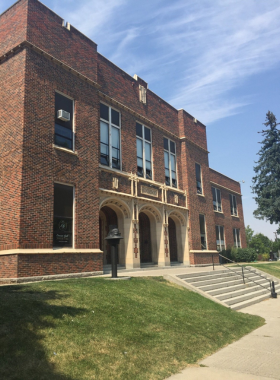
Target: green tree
<point>266,182</point>
<point>261,243</point>
<point>249,235</point>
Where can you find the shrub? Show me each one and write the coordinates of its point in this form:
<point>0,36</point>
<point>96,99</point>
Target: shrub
<point>244,255</point>
<point>265,256</point>
<point>260,257</point>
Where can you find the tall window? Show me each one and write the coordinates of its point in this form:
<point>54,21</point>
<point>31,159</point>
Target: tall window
<point>236,237</point>
<point>63,216</point>
<point>144,151</point>
<point>198,179</point>
<point>220,238</point>
<point>109,137</point>
<point>170,162</point>
<point>64,136</point>
<point>233,207</point>
<point>202,231</point>
<point>217,203</point>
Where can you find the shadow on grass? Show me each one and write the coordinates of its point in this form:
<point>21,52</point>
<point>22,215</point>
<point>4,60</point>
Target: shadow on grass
<point>26,317</point>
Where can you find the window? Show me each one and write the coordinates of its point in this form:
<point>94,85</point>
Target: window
<point>236,237</point>
<point>217,203</point>
<point>202,231</point>
<point>198,179</point>
<point>170,162</point>
<point>63,216</point>
<point>64,136</point>
<point>109,137</point>
<point>144,151</point>
<point>220,238</point>
<point>233,207</point>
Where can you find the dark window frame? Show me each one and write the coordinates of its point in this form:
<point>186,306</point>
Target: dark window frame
<point>198,177</point>
<point>170,151</point>
<point>233,205</point>
<point>144,172</point>
<point>216,194</point>
<point>203,233</point>
<point>62,128</point>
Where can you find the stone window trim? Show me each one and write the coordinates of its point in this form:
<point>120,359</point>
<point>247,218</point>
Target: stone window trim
<point>110,150</point>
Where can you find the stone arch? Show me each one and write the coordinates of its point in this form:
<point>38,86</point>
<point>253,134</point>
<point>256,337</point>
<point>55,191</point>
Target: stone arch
<point>180,222</point>
<point>151,211</point>
<point>122,212</point>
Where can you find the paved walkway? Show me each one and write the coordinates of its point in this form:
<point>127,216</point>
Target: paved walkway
<point>256,356</point>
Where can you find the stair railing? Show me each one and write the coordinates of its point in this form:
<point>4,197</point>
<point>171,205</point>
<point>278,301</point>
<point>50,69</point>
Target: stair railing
<point>271,283</point>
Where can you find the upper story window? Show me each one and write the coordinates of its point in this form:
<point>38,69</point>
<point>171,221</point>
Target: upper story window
<point>236,238</point>
<point>220,238</point>
<point>110,125</point>
<point>198,179</point>
<point>217,203</point>
<point>202,231</point>
<point>233,206</point>
<point>144,151</point>
<point>170,162</point>
<point>64,116</point>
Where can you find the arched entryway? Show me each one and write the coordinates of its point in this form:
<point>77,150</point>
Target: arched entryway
<point>172,240</point>
<point>145,238</point>
<point>107,217</point>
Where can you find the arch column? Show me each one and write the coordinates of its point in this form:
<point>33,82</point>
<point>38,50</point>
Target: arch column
<point>182,232</point>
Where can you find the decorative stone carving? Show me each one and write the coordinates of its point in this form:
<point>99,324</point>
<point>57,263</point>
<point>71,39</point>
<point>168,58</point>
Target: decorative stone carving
<point>152,211</point>
<point>176,199</point>
<point>149,191</point>
<point>117,203</point>
<point>115,183</point>
<point>178,216</point>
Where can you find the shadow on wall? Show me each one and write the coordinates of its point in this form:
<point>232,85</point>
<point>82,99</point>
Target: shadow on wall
<point>26,316</point>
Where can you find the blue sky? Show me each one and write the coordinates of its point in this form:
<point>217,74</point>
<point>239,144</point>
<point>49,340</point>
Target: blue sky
<point>219,60</point>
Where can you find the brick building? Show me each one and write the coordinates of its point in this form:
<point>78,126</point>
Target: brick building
<point>84,146</point>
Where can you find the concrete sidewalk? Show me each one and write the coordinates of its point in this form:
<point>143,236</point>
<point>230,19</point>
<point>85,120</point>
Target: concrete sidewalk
<point>256,356</point>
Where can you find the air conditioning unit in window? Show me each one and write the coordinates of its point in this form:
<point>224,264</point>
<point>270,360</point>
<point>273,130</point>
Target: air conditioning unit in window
<point>63,115</point>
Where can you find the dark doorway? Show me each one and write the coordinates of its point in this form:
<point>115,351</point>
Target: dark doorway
<point>145,238</point>
<point>109,218</point>
<point>172,240</point>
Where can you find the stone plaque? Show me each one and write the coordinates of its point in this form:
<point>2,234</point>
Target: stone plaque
<point>149,191</point>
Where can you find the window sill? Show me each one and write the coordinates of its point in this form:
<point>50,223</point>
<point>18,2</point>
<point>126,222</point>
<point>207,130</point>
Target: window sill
<point>218,212</point>
<point>235,216</point>
<point>200,195</point>
<point>65,150</point>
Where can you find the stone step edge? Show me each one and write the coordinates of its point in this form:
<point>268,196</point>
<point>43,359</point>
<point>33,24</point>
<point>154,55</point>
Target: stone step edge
<point>251,301</point>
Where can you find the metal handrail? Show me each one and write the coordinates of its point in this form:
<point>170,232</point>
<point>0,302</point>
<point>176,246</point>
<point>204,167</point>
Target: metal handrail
<point>271,283</point>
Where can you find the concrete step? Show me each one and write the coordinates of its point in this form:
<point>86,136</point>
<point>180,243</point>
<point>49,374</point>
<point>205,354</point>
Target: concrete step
<point>201,274</point>
<point>240,292</point>
<point>209,277</point>
<point>249,302</point>
<point>249,295</point>
<point>226,289</point>
<point>217,280</point>
<point>220,285</point>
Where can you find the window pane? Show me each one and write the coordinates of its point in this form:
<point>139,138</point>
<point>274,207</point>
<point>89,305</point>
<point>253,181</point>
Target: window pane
<point>197,172</point>
<point>202,224</point>
<point>139,130</point>
<point>173,162</point>
<point>147,134</point>
<point>63,142</point>
<point>66,104</point>
<point>115,117</point>
<point>222,234</point>
<point>115,137</point>
<point>139,148</point>
<point>62,131</point>
<point>148,152</point>
<point>104,112</point>
<point>165,143</point>
<point>214,194</point>
<point>104,132</point>
<point>166,161</point>
<point>231,205</point>
<point>218,196</point>
<point>148,165</point>
<point>218,235</point>
<point>172,147</point>
<point>63,215</point>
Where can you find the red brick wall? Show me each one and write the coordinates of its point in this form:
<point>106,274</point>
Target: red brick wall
<point>45,264</point>
<point>224,181</point>
<point>44,165</point>
<point>12,87</point>
<point>195,132</point>
<point>8,266</point>
<point>203,258</point>
<point>13,26</point>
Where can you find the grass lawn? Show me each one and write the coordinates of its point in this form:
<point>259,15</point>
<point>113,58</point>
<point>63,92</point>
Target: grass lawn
<point>272,268</point>
<point>144,328</point>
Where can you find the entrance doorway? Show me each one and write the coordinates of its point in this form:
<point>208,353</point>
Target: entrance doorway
<point>107,218</point>
<point>145,238</point>
<point>172,240</point>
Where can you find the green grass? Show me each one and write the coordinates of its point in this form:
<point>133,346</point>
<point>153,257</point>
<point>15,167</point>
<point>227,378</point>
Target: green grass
<point>272,268</point>
<point>145,328</point>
